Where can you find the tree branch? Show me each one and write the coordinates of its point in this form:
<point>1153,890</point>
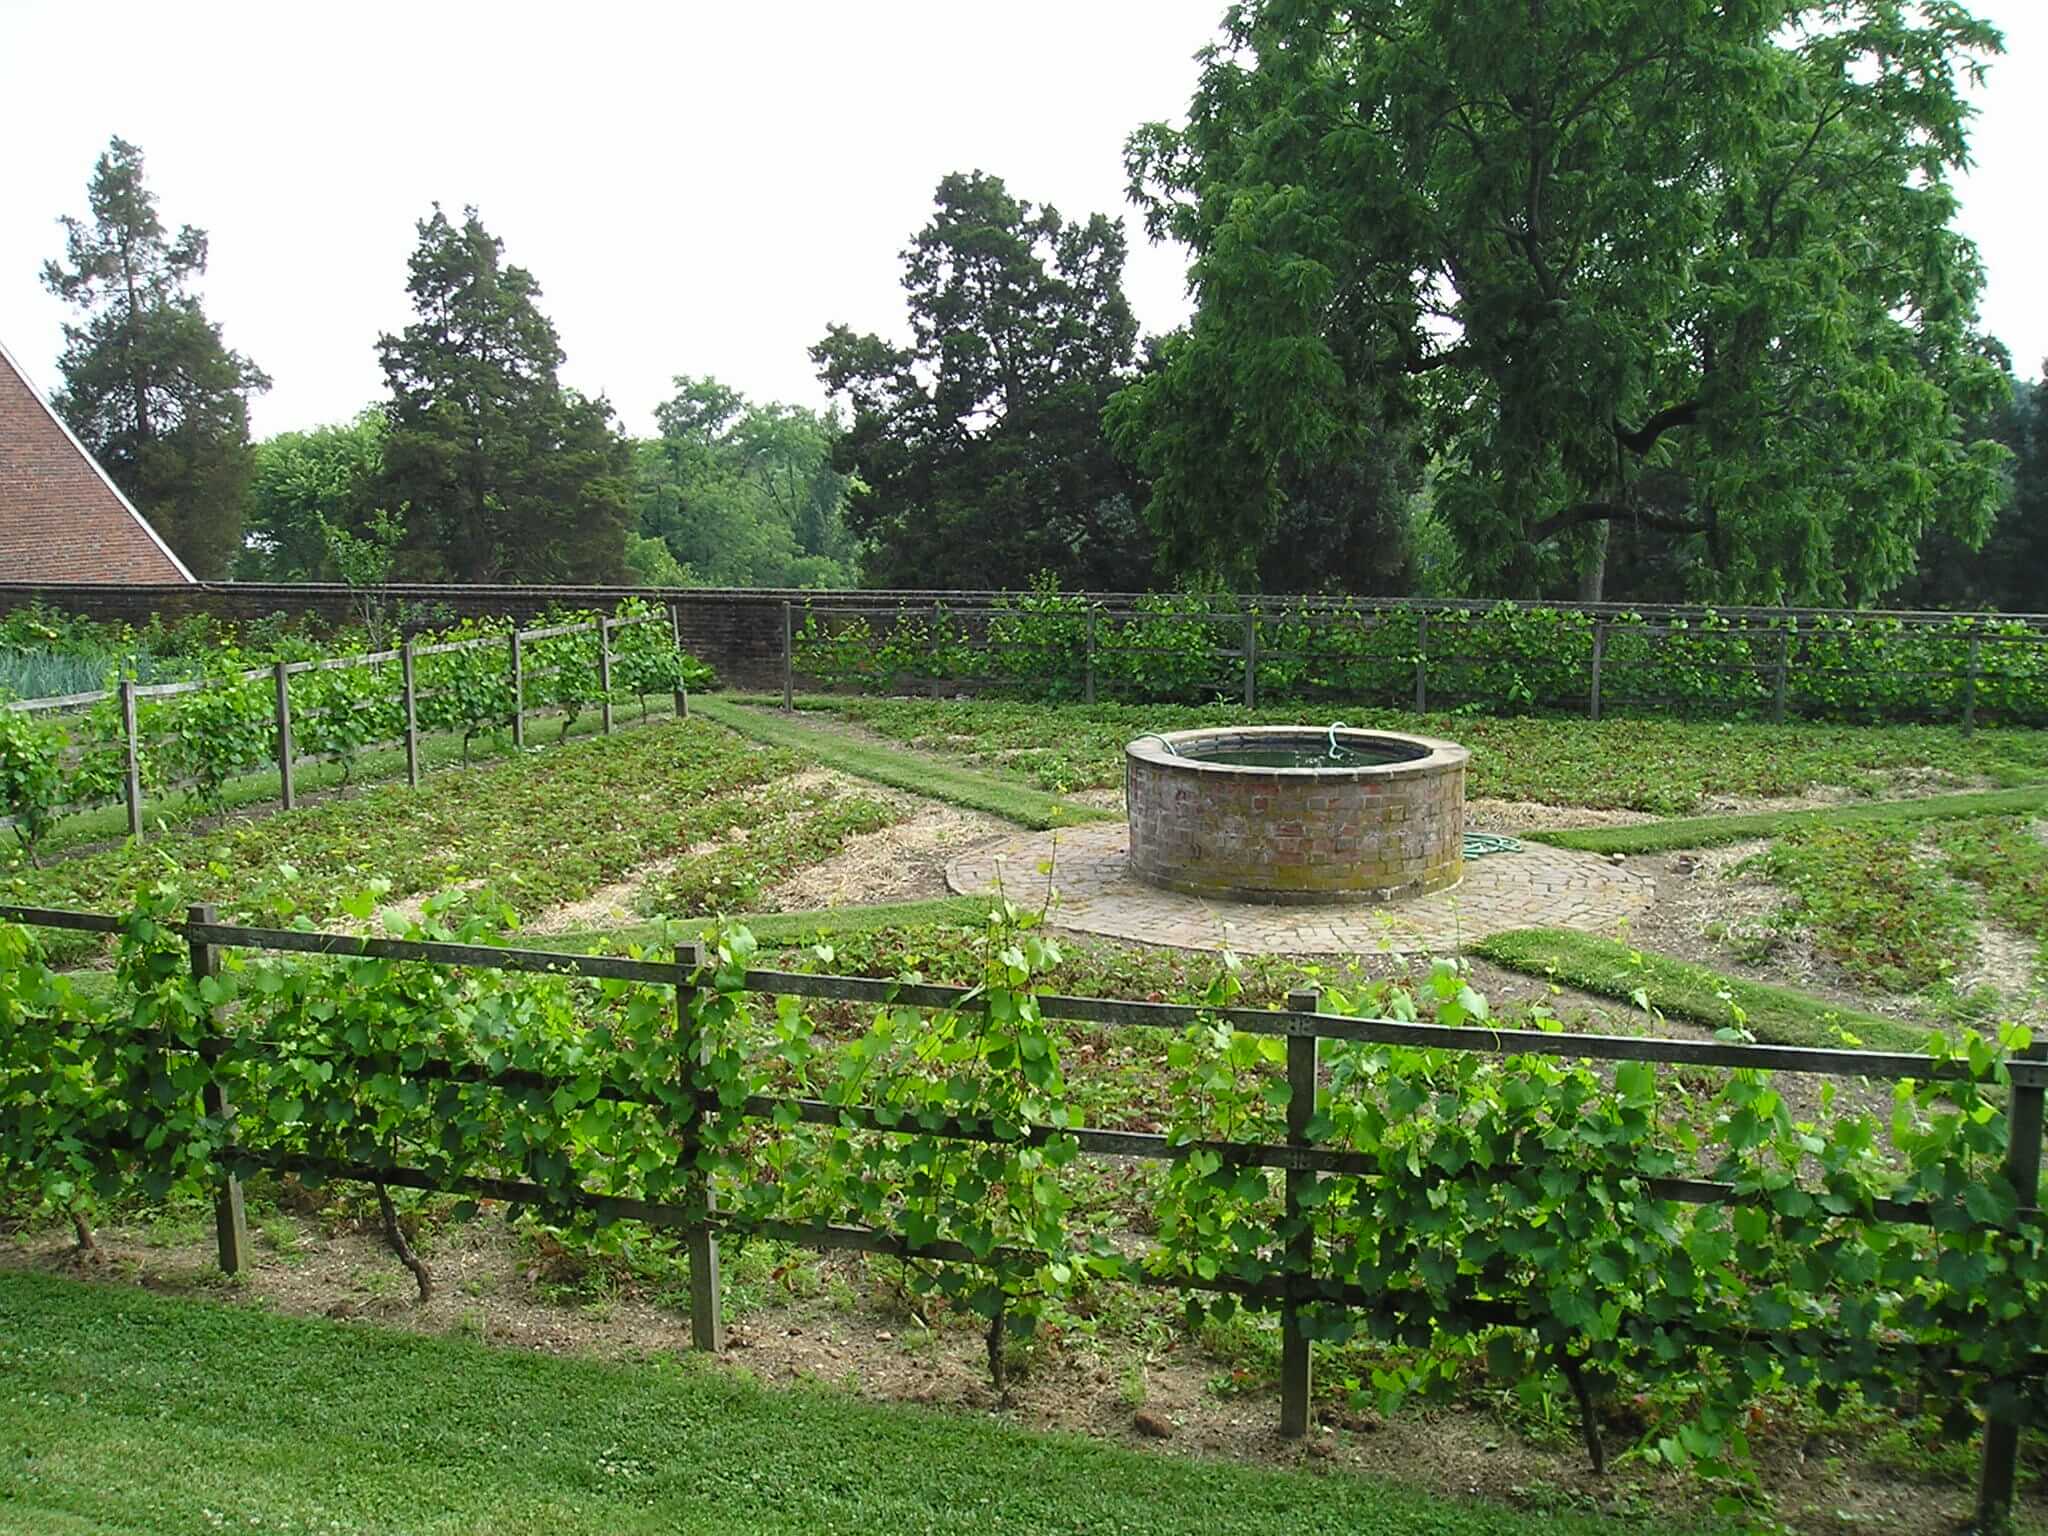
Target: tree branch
<point>1642,439</point>
<point>1584,512</point>
<point>1449,358</point>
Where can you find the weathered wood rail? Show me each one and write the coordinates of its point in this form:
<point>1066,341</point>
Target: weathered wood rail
<point>1301,1024</point>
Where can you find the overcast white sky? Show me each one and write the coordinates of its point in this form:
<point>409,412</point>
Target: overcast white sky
<point>698,188</point>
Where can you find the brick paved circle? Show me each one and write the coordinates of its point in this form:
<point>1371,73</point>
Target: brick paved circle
<point>1540,886</point>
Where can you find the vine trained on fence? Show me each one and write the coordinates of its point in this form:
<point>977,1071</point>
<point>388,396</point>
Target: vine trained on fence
<point>59,756</point>
<point>1647,1217</point>
<point>1503,658</point>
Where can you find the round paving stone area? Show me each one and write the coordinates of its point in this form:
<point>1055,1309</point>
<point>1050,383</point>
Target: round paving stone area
<point>1095,893</point>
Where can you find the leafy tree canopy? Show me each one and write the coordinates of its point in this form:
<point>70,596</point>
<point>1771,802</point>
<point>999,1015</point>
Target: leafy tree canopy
<point>1684,266</point>
<point>303,485</point>
<point>149,386</point>
<point>2010,570</point>
<point>743,495</point>
<point>500,473</point>
<point>979,446</point>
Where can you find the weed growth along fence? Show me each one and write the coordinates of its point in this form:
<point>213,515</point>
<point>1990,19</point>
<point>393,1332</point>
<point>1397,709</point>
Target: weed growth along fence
<point>134,741</point>
<point>1765,663</point>
<point>1521,1202</point>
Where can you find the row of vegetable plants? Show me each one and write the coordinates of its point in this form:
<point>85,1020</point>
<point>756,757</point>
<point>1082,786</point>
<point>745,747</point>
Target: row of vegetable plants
<point>55,762</point>
<point>1499,1216</point>
<point>1186,648</point>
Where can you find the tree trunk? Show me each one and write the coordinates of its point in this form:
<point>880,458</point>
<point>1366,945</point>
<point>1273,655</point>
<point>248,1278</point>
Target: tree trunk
<point>1593,563</point>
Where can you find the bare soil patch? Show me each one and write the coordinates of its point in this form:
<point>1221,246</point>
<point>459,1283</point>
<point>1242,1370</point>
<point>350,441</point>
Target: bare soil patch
<point>1488,815</point>
<point>906,862</point>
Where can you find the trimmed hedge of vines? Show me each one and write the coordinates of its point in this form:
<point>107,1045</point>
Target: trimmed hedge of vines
<point>1508,1228</point>
<point>1506,658</point>
<point>53,763</point>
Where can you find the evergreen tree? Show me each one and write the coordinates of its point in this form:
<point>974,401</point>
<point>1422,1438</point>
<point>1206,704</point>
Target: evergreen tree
<point>149,386</point>
<point>979,447</point>
<point>502,475</point>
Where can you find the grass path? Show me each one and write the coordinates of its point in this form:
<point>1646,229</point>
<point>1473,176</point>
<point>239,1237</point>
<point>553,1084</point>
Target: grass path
<point>899,768</point>
<point>783,927</point>
<point>1776,1015</point>
<point>1719,831</point>
<point>127,1412</point>
<point>1663,766</point>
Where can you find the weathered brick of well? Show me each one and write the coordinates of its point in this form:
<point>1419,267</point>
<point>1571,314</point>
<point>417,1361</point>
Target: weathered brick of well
<point>1378,832</point>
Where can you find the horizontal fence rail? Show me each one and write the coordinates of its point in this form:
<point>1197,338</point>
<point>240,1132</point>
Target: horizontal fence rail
<point>1302,1025</point>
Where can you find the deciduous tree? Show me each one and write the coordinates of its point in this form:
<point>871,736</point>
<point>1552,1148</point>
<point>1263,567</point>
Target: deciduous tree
<point>745,495</point>
<point>149,386</point>
<point>1683,265</point>
<point>304,484</point>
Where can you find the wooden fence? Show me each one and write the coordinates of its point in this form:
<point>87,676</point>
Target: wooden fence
<point>284,751</point>
<point>1302,1026</point>
<point>1771,661</point>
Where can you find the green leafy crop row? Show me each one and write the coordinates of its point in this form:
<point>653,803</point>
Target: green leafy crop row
<point>202,740</point>
<point>1504,1216</point>
<point>1508,658</point>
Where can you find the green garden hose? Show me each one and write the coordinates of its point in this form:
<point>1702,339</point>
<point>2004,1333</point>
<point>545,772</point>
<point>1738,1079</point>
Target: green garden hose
<point>1479,844</point>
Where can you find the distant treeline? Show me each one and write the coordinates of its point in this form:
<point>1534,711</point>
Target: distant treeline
<point>1488,301</point>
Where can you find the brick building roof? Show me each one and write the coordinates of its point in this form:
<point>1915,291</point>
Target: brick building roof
<point>61,517</point>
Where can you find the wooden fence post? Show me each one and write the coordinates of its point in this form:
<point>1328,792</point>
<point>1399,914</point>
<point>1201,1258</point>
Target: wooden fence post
<point>1088,674</point>
<point>1295,1357</point>
<point>1421,663</point>
<point>1970,684</point>
<point>707,1314</point>
<point>412,716</point>
<point>284,737</point>
<point>788,657</point>
<point>1998,1483</point>
<point>1599,654</point>
<point>604,668</point>
<point>131,784</point>
<point>1782,680</point>
<point>675,633</point>
<point>518,696</point>
<point>1251,659</point>
<point>230,1220</point>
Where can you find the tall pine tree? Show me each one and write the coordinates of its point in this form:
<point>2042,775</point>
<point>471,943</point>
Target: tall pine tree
<point>149,386</point>
<point>500,472</point>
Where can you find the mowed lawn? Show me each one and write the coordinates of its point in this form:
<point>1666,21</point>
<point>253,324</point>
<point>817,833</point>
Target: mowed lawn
<point>126,1411</point>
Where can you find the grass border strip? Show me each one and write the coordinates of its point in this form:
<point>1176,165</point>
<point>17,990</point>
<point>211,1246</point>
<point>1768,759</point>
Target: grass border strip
<point>1775,1015</point>
<point>342,1423</point>
<point>1717,831</point>
<point>914,772</point>
<point>779,927</point>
